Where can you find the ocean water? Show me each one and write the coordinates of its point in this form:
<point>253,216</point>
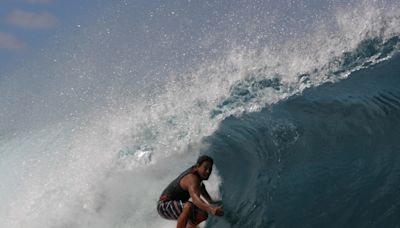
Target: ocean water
<point>326,158</point>
<point>304,133</point>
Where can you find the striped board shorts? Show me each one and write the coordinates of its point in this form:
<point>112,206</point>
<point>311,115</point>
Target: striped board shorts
<point>173,208</point>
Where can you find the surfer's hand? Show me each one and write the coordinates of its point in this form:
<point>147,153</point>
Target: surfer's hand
<point>217,211</point>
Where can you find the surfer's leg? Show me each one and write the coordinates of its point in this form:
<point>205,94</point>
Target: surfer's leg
<point>197,216</point>
<point>184,216</point>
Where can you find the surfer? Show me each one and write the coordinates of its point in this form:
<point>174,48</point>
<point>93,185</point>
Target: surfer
<point>174,201</point>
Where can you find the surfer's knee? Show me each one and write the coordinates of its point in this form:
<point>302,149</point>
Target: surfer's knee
<point>201,216</point>
<point>185,215</point>
<point>187,207</point>
<point>196,215</point>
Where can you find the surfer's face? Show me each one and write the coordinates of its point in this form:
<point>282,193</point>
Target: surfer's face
<point>205,169</point>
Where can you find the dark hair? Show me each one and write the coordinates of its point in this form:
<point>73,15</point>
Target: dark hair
<point>204,158</point>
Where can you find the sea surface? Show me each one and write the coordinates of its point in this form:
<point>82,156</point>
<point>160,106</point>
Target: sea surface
<point>304,128</point>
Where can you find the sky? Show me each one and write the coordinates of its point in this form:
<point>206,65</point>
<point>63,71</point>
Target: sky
<point>26,26</point>
<point>32,29</point>
<point>29,26</point>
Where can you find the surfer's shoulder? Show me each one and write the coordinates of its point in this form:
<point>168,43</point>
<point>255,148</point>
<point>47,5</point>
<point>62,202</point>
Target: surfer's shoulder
<point>191,178</point>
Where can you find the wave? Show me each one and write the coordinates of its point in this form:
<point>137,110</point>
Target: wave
<point>325,158</point>
<point>106,168</point>
<point>258,84</point>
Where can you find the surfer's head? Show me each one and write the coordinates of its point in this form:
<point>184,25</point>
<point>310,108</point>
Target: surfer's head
<point>204,166</point>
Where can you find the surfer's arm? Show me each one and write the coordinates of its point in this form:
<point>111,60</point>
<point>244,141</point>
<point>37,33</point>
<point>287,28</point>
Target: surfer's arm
<point>208,198</point>
<point>205,194</point>
<point>193,186</point>
<point>195,192</point>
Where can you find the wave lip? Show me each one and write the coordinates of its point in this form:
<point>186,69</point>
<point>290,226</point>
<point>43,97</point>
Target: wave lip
<point>260,84</point>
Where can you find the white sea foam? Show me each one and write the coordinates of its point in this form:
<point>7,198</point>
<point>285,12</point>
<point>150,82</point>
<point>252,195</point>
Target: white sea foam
<point>106,168</point>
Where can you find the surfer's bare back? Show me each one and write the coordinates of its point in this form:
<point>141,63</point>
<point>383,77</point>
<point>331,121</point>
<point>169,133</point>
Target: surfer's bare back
<point>174,201</point>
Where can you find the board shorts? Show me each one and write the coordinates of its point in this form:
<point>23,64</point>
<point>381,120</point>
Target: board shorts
<point>171,209</point>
